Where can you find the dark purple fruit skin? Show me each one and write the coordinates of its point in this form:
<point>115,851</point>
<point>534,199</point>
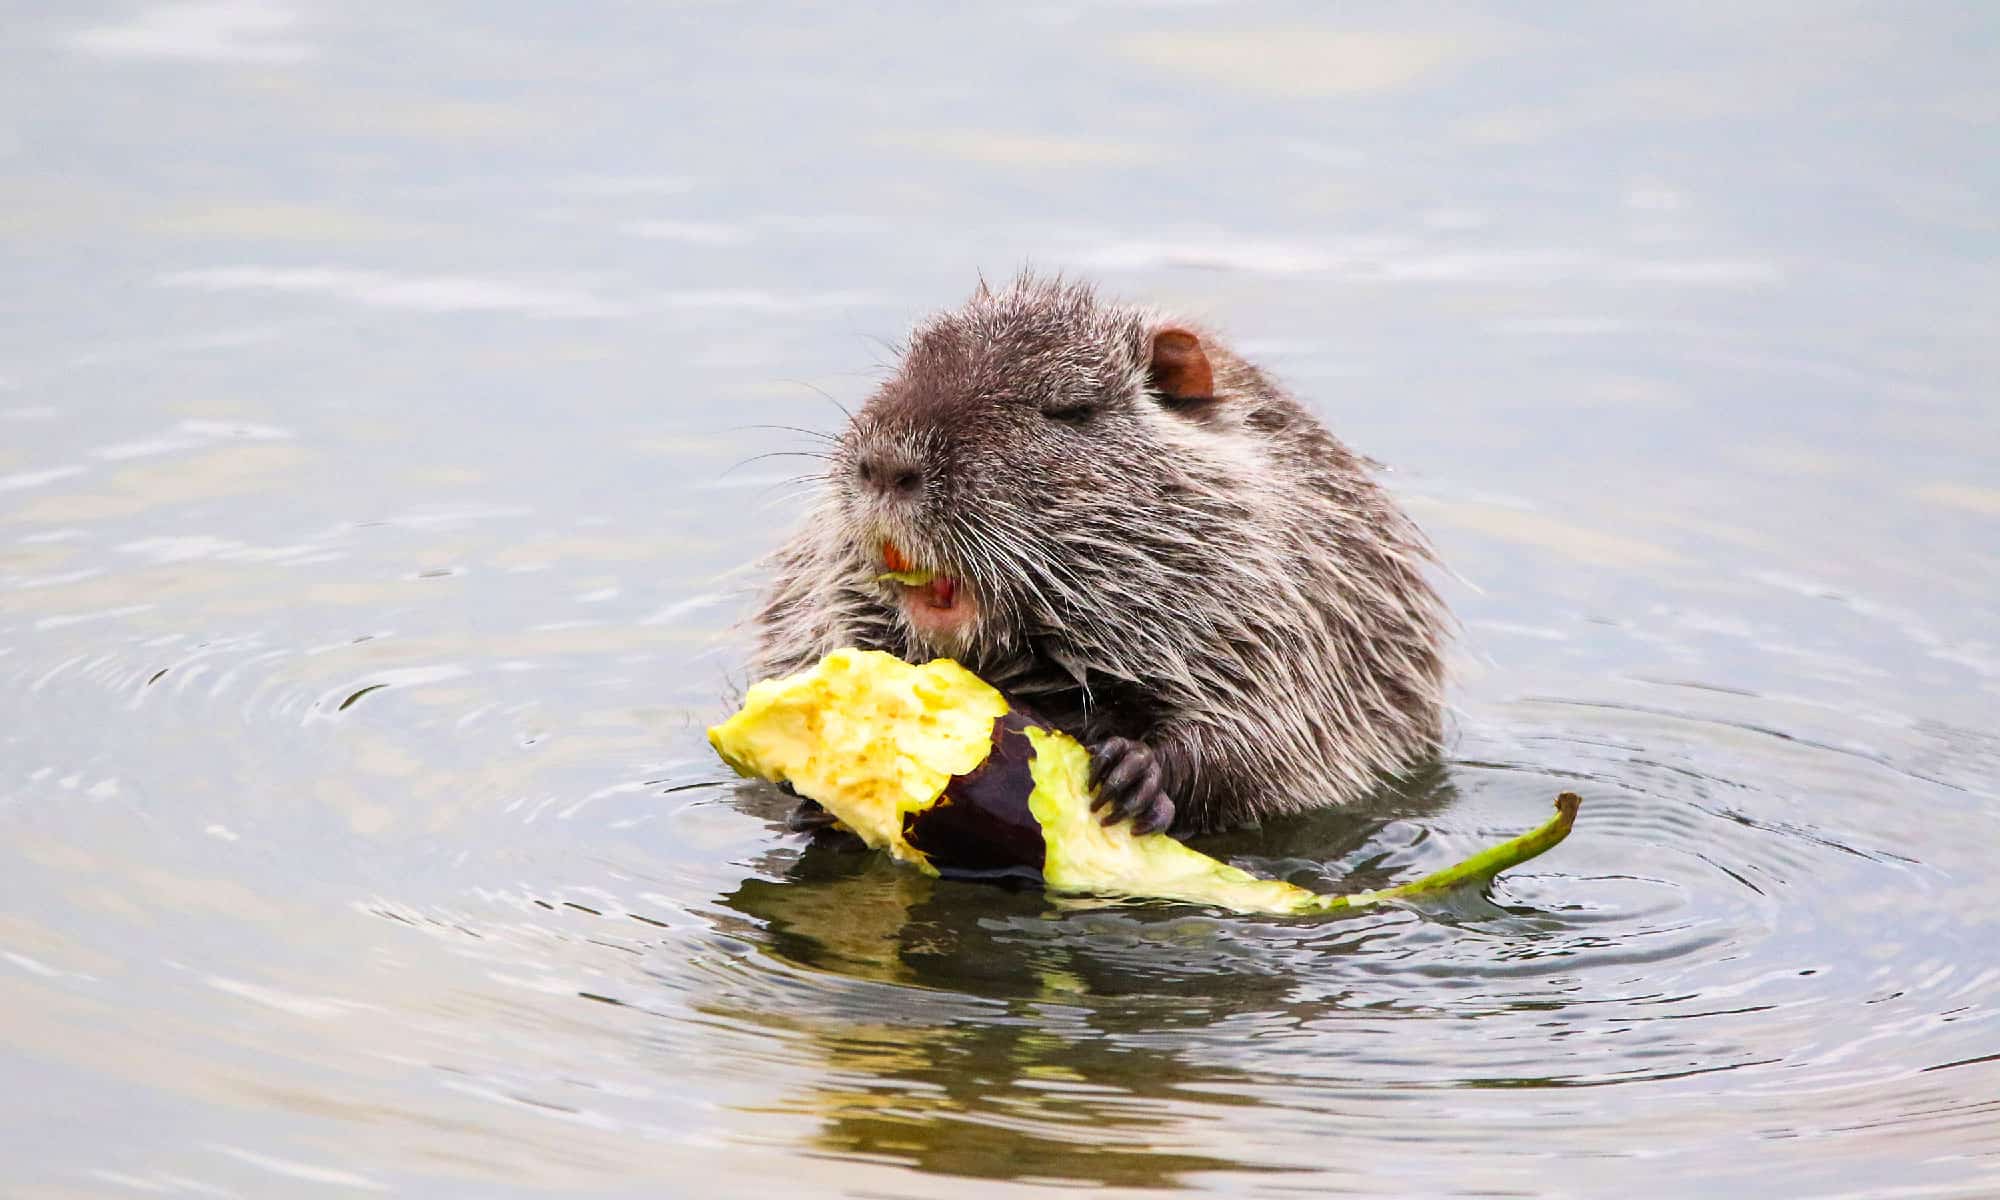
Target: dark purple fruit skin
<point>981,824</point>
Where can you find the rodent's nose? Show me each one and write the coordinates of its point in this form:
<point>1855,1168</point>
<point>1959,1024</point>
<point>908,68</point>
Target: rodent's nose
<point>890,475</point>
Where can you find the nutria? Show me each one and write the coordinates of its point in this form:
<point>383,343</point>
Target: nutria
<point>1139,536</point>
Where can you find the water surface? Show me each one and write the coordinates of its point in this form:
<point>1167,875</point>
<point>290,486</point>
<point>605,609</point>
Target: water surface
<point>381,391</point>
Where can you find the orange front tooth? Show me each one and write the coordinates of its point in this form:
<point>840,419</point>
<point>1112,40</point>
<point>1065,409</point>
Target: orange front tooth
<point>893,558</point>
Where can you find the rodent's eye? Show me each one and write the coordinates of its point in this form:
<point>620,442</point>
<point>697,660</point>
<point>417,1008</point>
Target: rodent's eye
<point>1070,414</point>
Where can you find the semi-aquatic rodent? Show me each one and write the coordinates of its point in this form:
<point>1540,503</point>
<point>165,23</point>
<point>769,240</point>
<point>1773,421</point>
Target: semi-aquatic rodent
<point>1137,534</point>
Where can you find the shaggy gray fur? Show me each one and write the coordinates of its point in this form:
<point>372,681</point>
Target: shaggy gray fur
<point>1224,582</point>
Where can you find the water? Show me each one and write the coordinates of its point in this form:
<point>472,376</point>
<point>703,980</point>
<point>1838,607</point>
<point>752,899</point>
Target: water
<point>373,384</point>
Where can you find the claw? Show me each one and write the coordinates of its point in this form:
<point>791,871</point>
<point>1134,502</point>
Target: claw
<point>1126,775</point>
<point>1105,757</point>
<point>1130,776</point>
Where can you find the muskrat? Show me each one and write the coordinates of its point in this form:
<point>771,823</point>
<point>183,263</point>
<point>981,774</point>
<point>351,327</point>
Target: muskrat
<point>1140,537</point>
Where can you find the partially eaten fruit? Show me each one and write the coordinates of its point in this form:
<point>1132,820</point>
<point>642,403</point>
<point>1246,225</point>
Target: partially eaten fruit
<point>931,764</point>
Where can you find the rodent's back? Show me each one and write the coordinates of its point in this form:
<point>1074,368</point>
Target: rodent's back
<point>1140,535</point>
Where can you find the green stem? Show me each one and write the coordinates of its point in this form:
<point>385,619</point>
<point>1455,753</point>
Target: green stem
<point>1480,868</point>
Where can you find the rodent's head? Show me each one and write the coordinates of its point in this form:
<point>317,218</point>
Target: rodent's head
<point>1032,453</point>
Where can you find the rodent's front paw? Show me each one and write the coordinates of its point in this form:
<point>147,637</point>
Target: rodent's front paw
<point>1126,775</point>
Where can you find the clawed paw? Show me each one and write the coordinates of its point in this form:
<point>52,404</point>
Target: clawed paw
<point>1126,776</point>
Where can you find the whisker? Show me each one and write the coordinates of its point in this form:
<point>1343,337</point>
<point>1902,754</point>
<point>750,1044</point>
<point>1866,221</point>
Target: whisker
<point>798,485</point>
<point>823,394</point>
<point>800,429</point>
<point>779,454</point>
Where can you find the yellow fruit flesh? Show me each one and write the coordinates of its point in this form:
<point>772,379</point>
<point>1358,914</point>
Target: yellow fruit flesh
<point>867,735</point>
<point>1084,855</point>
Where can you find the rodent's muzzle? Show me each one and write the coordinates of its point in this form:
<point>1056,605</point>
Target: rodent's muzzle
<point>892,482</point>
<point>891,489</point>
<point>890,474</point>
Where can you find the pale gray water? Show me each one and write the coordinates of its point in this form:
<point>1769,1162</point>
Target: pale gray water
<point>409,347</point>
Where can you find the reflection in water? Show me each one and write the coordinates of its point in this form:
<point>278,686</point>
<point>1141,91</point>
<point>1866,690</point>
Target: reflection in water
<point>1014,1092</point>
<point>369,538</point>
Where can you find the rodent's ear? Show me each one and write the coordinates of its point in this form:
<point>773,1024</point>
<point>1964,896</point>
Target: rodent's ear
<point>1179,370</point>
